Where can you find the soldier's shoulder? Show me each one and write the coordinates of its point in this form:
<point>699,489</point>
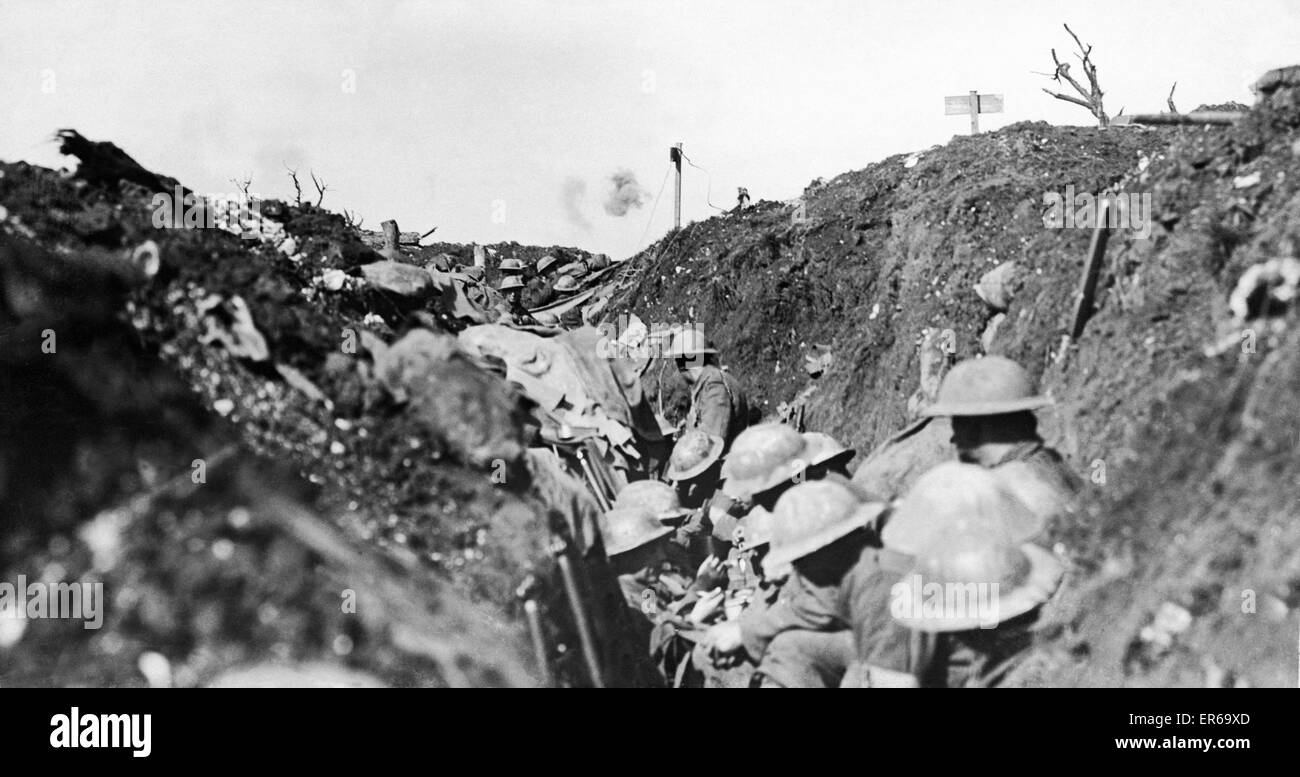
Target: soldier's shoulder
<point>1051,465</point>
<point>880,567</point>
<point>1047,485</point>
<point>728,376</point>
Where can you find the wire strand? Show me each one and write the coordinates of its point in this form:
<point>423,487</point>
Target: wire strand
<point>708,194</point>
<point>641,243</point>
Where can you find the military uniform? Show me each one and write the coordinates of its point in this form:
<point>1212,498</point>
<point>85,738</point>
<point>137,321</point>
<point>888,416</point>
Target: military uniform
<point>664,598</point>
<point>978,658</point>
<point>537,293</point>
<point>966,526</point>
<point>887,653</point>
<point>804,638</point>
<point>799,640</point>
<point>742,675</point>
<point>694,535</point>
<point>718,405</point>
<point>1041,478</point>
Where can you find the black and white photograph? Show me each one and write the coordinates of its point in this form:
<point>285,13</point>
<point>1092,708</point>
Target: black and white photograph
<point>575,344</point>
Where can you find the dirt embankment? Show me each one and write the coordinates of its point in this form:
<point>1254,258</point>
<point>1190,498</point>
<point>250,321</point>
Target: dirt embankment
<point>1189,457</point>
<point>195,421</point>
<point>318,482</point>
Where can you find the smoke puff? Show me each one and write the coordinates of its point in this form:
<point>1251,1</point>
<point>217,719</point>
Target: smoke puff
<point>624,194</point>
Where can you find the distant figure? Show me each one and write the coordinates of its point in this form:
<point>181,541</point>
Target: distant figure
<point>540,289</point>
<point>742,198</point>
<point>511,308</point>
<point>566,284</point>
<point>718,404</point>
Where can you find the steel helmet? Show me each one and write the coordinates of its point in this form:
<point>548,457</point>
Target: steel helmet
<point>574,268</point>
<point>1015,579</point>
<point>545,262</point>
<point>689,342</point>
<point>657,497</point>
<point>511,265</point>
<point>628,528</point>
<point>824,449</point>
<point>510,282</point>
<point>812,515</point>
<point>955,496</point>
<point>989,386</point>
<point>694,453</point>
<point>473,271</point>
<point>761,457</point>
<point>566,283</point>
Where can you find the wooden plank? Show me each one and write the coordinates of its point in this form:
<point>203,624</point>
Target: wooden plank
<point>959,105</point>
<point>990,103</point>
<point>1083,308</point>
<point>1203,117</point>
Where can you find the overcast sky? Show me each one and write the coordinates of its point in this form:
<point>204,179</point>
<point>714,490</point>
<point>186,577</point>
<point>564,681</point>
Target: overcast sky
<point>480,116</point>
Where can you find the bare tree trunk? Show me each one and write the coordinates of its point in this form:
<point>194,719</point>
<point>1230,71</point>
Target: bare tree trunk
<point>297,187</point>
<point>1090,97</point>
<point>391,234</point>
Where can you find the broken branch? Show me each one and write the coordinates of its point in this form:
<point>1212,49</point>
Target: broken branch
<point>297,187</point>
<point>321,187</point>
<point>244,184</point>
<point>1092,94</point>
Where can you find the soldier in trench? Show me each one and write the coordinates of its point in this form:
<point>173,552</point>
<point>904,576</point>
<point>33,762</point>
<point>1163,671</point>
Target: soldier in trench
<point>539,291</point>
<point>511,307</point>
<point>719,405</point>
<point>966,530</point>
<point>653,573</point>
<point>991,401</point>
<point>800,639</point>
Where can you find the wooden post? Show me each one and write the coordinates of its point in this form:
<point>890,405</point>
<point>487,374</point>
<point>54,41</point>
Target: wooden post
<point>972,104</point>
<point>675,154</point>
<point>1083,308</point>
<point>390,234</point>
<point>390,250</point>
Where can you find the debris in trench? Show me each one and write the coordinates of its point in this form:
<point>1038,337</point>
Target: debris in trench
<point>1265,290</point>
<point>997,287</point>
<point>397,278</point>
<point>228,322</point>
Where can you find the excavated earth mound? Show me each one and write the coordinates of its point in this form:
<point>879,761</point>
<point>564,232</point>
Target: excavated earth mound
<point>217,430</point>
<point>1182,416</point>
<point>225,434</point>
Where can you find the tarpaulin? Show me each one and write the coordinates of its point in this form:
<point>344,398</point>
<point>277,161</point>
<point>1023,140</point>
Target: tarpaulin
<point>571,377</point>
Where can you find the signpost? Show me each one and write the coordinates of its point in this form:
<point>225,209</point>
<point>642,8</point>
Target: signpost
<point>974,104</point>
<point>675,156</point>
